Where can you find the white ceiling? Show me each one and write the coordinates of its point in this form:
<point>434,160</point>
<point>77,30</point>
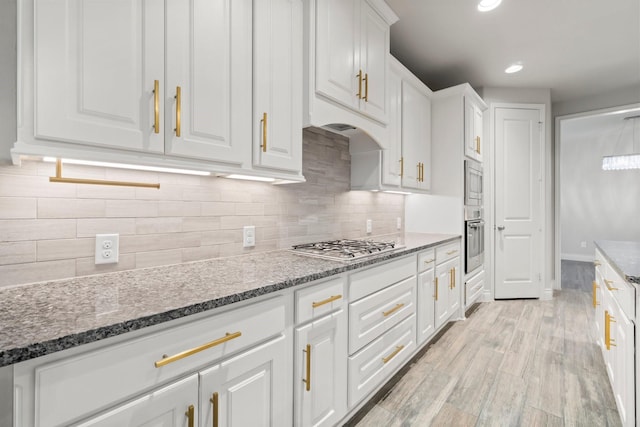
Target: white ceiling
<point>576,48</point>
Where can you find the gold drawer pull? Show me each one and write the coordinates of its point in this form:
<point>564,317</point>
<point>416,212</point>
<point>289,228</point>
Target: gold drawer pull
<point>597,263</point>
<point>326,301</point>
<point>170,359</point>
<point>191,416</point>
<point>214,402</point>
<point>393,310</point>
<point>156,106</point>
<point>608,341</point>
<point>392,355</point>
<point>178,98</point>
<point>428,261</point>
<point>452,252</point>
<point>264,132</point>
<point>609,283</point>
<point>307,381</point>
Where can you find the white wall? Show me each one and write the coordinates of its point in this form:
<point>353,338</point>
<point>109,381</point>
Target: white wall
<point>493,95</point>
<point>7,77</point>
<point>426,213</point>
<point>596,204</point>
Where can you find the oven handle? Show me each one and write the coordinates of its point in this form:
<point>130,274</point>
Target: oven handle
<point>476,224</point>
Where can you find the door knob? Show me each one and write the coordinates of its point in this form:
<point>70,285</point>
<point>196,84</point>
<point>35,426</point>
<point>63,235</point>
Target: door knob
<point>500,227</point>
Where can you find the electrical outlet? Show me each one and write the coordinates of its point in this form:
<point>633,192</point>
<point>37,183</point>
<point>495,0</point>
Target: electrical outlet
<point>249,236</point>
<point>583,244</point>
<point>399,223</point>
<point>107,248</point>
<point>369,226</point>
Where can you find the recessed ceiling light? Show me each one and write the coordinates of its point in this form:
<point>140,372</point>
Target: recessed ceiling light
<point>513,68</point>
<point>487,5</point>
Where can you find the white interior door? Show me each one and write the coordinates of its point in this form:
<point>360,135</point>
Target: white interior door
<point>518,202</point>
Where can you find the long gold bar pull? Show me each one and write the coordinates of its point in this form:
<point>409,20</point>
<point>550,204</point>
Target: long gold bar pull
<point>608,283</point>
<point>178,110</point>
<point>191,415</point>
<point>392,355</point>
<point>401,167</point>
<point>307,381</point>
<point>326,301</point>
<point>61,179</point>
<point>478,144</point>
<point>214,402</point>
<point>263,121</point>
<point>418,178</point>
<point>156,106</point>
<point>451,278</point>
<point>393,310</point>
<point>359,76</point>
<point>595,296</point>
<point>436,295</point>
<point>170,359</point>
<point>366,87</point>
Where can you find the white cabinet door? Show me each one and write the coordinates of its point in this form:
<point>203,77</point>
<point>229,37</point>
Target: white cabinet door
<point>95,67</point>
<point>426,305</point>
<point>373,62</point>
<point>416,137</point>
<point>209,62</point>
<point>472,130</point>
<point>277,98</point>
<point>456,285</point>
<point>441,295</point>
<point>622,332</point>
<point>320,382</point>
<point>166,407</point>
<point>392,166</point>
<point>337,41</point>
<point>248,389</point>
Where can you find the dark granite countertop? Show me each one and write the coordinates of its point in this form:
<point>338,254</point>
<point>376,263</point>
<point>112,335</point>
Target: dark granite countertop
<point>43,318</point>
<point>624,257</point>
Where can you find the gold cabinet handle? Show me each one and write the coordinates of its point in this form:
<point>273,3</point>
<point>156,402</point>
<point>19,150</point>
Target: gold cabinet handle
<point>428,261</point>
<point>326,301</point>
<point>156,106</point>
<point>401,167</point>
<point>393,310</point>
<point>608,341</point>
<point>170,359</point>
<point>307,381</point>
<point>418,166</point>
<point>359,76</point>
<point>178,98</point>
<point>214,402</point>
<point>478,144</point>
<point>366,87</point>
<point>595,296</point>
<point>191,415</point>
<point>451,279</point>
<point>597,263</point>
<point>453,274</point>
<point>422,172</point>
<point>436,295</point>
<point>264,132</point>
<point>392,355</point>
<point>609,283</point>
<point>452,252</point>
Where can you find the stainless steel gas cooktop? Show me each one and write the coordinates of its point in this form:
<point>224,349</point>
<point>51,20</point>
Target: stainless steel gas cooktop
<point>345,249</point>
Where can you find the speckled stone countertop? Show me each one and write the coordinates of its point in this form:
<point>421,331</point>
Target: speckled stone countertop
<point>623,256</point>
<point>42,318</point>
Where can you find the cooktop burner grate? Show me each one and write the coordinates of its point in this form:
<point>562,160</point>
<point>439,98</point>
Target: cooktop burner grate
<point>345,249</point>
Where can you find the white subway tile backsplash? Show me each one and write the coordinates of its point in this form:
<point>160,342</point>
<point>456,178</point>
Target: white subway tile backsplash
<point>18,207</point>
<point>47,230</point>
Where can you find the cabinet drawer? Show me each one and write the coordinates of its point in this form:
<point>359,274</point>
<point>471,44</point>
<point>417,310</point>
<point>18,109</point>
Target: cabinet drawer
<point>366,282</point>
<point>621,291</point>
<point>473,288</point>
<point>426,260</point>
<point>123,370</point>
<point>372,316</point>
<point>320,299</point>
<point>376,362</point>
<point>448,251</point>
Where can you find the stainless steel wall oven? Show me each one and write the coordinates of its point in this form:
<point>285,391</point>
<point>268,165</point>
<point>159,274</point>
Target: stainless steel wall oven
<point>474,238</point>
<point>472,183</point>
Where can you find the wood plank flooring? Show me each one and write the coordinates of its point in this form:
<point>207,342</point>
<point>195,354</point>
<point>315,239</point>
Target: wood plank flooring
<point>510,363</point>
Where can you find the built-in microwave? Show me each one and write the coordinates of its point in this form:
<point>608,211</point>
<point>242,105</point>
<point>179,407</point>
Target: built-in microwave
<point>472,183</point>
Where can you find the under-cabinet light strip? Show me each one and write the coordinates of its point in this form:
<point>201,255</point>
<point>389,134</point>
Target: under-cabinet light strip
<point>127,166</point>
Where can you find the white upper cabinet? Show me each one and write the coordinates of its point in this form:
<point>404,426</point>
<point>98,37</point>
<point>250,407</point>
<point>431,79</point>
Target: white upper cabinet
<point>193,84</point>
<point>209,64</point>
<point>392,161</point>
<point>277,98</point>
<point>95,68</point>
<point>472,129</point>
<point>346,66</point>
<point>416,137</point>
<point>352,43</point>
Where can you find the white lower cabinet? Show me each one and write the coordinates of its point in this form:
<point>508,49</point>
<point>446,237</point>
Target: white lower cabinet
<point>426,295</point>
<point>473,288</point>
<point>169,406</point>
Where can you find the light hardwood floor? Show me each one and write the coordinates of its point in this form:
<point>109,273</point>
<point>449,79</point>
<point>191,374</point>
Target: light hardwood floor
<point>510,363</point>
